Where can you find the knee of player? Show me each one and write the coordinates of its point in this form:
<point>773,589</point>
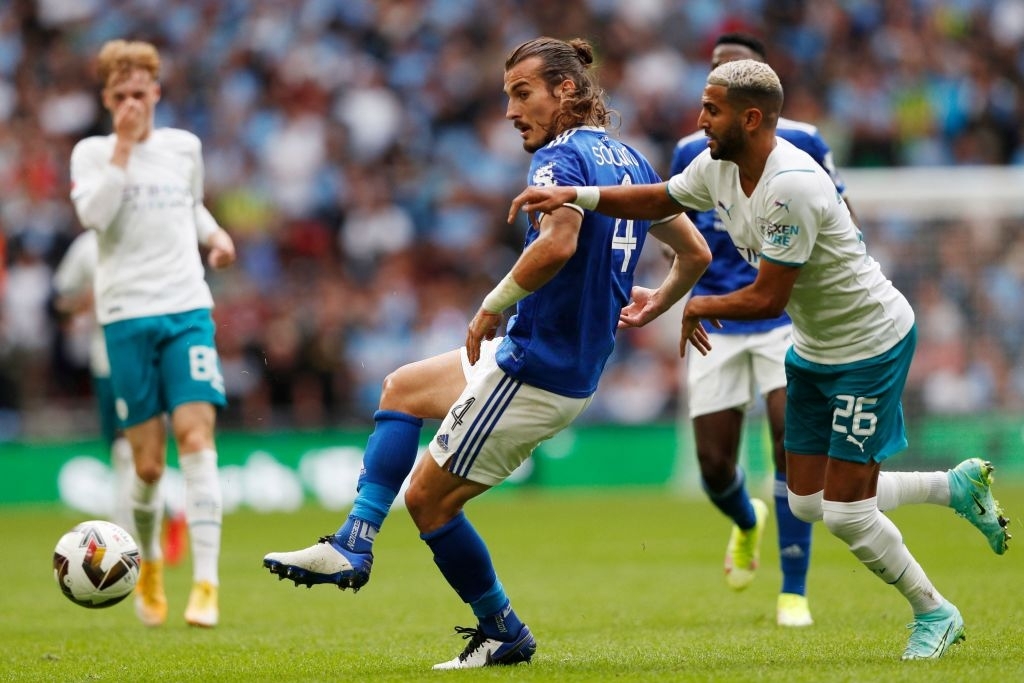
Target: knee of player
<point>717,471</point>
<point>193,438</point>
<point>396,391</point>
<point>419,503</point>
<point>851,521</point>
<point>806,508</point>
<point>149,470</point>
<point>193,426</point>
<point>429,509</point>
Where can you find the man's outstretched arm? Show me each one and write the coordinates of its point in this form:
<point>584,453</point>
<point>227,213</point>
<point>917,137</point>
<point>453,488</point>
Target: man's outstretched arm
<point>619,201</point>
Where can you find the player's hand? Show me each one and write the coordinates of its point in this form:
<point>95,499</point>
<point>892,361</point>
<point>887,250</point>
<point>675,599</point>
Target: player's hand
<point>484,325</point>
<point>544,199</point>
<point>222,250</point>
<point>694,331</point>
<point>641,309</point>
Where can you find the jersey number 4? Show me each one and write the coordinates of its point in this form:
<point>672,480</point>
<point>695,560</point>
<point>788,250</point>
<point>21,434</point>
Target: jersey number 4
<point>627,240</point>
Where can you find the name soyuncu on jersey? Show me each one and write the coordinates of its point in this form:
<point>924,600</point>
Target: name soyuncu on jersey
<point>562,334</point>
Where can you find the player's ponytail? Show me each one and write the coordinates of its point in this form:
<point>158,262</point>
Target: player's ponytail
<point>584,51</point>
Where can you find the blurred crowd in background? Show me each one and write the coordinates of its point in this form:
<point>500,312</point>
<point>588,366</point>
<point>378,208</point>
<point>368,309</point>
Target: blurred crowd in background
<point>358,154</point>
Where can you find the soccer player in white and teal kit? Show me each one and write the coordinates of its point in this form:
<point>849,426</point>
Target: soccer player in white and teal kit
<point>749,355</point>
<point>853,334</point>
<point>73,289</point>
<point>498,398</point>
<point>73,286</point>
<point>141,190</point>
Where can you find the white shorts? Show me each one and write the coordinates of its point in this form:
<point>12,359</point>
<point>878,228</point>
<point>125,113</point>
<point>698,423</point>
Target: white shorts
<point>497,421</point>
<point>737,363</point>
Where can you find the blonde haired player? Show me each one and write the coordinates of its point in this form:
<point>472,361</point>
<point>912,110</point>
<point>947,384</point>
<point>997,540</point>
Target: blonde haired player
<point>73,301</point>
<point>141,190</point>
<point>853,334</point>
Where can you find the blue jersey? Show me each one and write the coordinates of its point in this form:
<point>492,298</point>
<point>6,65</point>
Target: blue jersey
<point>729,270</point>
<point>562,334</point>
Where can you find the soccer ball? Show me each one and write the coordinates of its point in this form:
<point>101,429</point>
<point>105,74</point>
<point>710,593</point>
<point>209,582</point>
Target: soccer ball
<point>96,564</point>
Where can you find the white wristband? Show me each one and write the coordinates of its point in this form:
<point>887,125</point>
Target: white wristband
<point>506,293</point>
<point>587,197</point>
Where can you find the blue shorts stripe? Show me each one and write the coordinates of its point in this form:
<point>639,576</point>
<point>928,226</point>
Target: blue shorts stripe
<point>482,426</point>
<point>457,462</point>
<point>491,424</point>
<point>468,442</point>
<point>489,414</point>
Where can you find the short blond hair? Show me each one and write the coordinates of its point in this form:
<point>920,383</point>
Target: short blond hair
<point>121,57</point>
<point>750,83</point>
<point>745,74</point>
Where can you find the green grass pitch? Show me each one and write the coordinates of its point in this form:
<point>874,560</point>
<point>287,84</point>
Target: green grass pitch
<point>615,584</point>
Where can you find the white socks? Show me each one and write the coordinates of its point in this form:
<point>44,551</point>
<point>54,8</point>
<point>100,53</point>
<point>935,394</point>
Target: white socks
<point>147,513</point>
<point>123,466</point>
<point>877,543</point>
<point>203,511</point>
<point>905,488</point>
<point>894,489</point>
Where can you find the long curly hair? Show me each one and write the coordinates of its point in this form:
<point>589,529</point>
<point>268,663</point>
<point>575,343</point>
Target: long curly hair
<point>568,60</point>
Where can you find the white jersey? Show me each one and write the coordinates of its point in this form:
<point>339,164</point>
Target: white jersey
<point>146,218</point>
<point>74,275</point>
<point>843,308</point>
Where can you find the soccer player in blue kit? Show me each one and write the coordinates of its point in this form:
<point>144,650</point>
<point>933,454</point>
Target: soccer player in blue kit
<point>748,353</point>
<point>499,397</point>
<point>853,334</point>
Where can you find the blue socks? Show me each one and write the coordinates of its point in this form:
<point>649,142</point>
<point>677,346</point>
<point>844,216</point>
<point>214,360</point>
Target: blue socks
<point>465,562</point>
<point>794,542</point>
<point>390,454</point>
<point>734,502</point>
<point>794,534</point>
